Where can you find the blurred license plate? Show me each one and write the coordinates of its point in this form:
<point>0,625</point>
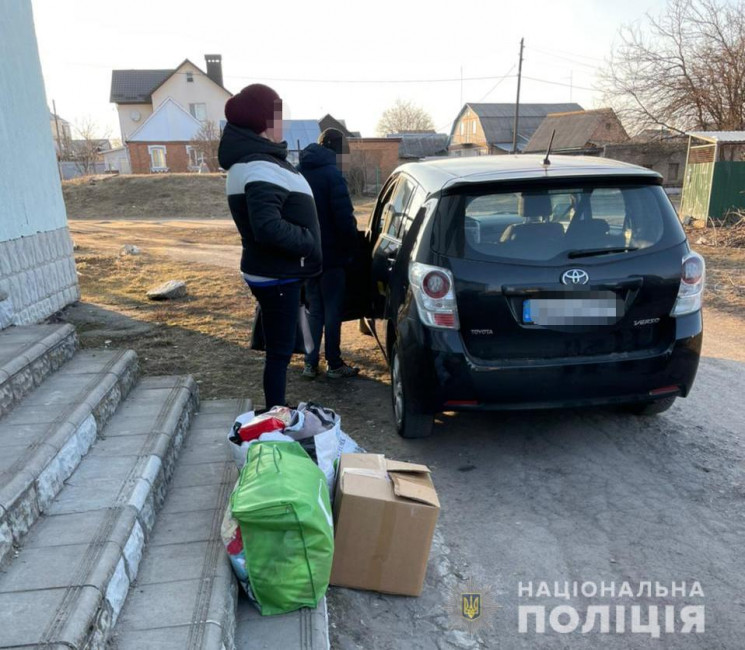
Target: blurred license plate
<point>572,311</point>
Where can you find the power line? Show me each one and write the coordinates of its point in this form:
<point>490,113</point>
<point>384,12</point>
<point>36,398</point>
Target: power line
<point>564,58</point>
<point>575,55</point>
<point>494,87</point>
<point>366,81</point>
<point>559,83</point>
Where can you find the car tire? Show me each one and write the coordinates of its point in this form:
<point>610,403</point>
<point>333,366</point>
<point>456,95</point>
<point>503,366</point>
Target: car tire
<point>652,408</point>
<point>410,422</point>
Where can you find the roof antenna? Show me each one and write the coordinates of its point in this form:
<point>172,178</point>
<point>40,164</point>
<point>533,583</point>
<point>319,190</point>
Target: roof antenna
<point>546,161</point>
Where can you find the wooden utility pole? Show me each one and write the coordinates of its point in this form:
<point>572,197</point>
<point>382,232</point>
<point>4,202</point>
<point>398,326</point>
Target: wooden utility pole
<point>517,102</point>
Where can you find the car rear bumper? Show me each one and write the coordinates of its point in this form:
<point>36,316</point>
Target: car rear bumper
<point>441,375</point>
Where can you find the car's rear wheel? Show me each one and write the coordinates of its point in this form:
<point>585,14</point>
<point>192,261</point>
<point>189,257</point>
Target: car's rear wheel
<point>410,422</point>
<point>651,408</point>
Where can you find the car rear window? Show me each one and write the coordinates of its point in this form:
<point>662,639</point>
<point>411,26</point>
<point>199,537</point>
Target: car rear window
<point>534,223</point>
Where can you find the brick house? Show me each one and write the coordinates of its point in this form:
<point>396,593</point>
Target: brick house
<point>666,156</point>
<point>578,133</point>
<point>154,105</point>
<point>371,161</point>
<point>162,143</point>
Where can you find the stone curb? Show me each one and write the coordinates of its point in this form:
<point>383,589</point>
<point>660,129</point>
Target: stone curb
<point>34,363</point>
<point>30,490</point>
<point>91,607</point>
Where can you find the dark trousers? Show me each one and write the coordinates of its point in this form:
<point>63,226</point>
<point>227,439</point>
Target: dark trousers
<point>326,296</point>
<point>279,312</point>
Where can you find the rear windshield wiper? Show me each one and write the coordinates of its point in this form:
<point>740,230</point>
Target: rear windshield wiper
<point>590,252</point>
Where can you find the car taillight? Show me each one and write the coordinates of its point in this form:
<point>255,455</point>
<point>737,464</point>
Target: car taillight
<point>436,284</point>
<point>434,291</point>
<point>690,292</point>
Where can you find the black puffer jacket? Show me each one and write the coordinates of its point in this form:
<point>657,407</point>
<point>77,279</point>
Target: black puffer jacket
<point>272,206</point>
<point>334,207</point>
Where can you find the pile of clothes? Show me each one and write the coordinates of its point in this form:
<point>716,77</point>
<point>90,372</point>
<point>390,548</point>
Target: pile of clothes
<point>278,528</point>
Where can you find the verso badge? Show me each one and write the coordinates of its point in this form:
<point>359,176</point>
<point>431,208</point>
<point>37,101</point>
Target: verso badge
<point>575,276</point>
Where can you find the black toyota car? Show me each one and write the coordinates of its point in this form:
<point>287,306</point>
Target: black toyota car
<point>503,282</point>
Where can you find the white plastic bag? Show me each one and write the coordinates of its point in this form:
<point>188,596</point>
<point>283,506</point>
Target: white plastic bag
<point>326,446</point>
<point>316,428</point>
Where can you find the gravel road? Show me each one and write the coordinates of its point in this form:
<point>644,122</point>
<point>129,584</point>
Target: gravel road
<point>589,496</point>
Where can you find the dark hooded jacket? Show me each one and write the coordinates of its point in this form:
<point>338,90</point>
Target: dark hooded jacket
<point>272,206</point>
<point>334,207</point>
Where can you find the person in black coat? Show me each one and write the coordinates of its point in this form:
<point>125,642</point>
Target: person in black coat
<point>273,208</point>
<point>320,165</point>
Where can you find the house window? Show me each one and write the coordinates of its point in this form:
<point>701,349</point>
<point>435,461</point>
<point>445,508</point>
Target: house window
<point>157,158</point>
<point>199,111</point>
<point>673,169</point>
<point>474,127</point>
<point>190,77</point>
<point>462,128</point>
<point>195,159</point>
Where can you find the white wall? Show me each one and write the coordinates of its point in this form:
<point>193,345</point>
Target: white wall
<point>37,268</point>
<point>117,159</point>
<point>29,180</point>
<point>127,125</point>
<point>201,90</point>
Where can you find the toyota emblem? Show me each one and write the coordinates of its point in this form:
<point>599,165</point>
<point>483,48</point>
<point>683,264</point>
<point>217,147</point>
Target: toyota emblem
<point>575,276</point>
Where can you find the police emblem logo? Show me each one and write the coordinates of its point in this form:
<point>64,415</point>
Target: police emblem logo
<point>471,606</point>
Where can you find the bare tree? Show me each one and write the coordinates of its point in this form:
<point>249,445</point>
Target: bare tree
<point>206,143</point>
<point>404,116</point>
<point>85,150</point>
<point>359,169</point>
<point>682,70</point>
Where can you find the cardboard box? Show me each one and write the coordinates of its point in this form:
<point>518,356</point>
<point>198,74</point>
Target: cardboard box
<point>385,513</point>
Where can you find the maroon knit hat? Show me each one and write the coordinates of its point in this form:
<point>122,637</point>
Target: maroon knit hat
<point>253,108</point>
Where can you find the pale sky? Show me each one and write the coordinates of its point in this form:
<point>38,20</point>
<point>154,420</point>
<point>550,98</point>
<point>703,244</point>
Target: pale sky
<point>336,45</point>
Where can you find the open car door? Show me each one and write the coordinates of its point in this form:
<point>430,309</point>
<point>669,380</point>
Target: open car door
<point>357,290</point>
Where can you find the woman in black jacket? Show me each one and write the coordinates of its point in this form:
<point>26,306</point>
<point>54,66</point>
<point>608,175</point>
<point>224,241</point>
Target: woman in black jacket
<point>272,206</point>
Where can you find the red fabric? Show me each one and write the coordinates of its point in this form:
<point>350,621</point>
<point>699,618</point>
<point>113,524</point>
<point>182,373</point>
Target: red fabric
<point>236,544</point>
<point>259,425</point>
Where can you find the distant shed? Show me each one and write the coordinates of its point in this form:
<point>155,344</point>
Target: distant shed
<point>714,181</point>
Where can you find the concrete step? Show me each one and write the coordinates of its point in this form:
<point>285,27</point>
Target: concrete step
<point>303,629</point>
<point>46,435</point>
<point>67,585</point>
<point>28,355</point>
<point>185,594</point>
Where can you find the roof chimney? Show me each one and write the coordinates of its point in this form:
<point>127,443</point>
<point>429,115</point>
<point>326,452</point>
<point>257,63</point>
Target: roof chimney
<point>214,67</point>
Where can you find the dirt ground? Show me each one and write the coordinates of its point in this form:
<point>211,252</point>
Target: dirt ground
<point>205,334</point>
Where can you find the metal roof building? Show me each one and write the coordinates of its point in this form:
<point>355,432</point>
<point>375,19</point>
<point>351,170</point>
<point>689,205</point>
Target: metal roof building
<point>578,132</point>
<point>496,124</point>
<point>714,181</point>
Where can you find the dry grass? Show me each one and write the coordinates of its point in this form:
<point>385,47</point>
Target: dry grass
<point>205,334</point>
<point>725,278</point>
<point>156,196</point>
